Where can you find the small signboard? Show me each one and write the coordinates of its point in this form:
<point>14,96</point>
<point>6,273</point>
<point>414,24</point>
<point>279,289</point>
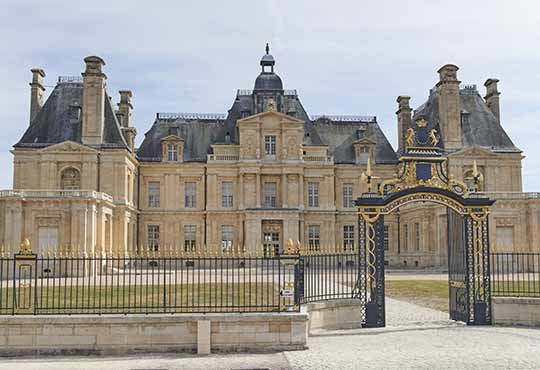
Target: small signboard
<point>286,293</point>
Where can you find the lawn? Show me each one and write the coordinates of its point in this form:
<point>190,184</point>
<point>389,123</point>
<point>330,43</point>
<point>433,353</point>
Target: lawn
<point>427,293</point>
<point>209,297</point>
<point>434,293</point>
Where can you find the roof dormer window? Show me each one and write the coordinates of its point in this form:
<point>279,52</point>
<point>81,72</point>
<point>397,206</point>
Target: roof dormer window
<point>172,152</point>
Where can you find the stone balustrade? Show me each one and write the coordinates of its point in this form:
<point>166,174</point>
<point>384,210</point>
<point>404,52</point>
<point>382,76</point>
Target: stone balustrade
<point>64,194</point>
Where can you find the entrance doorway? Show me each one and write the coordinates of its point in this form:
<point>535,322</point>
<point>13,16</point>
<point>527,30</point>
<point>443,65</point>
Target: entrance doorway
<point>271,235</point>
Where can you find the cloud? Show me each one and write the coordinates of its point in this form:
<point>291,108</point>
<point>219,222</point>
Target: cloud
<point>343,57</point>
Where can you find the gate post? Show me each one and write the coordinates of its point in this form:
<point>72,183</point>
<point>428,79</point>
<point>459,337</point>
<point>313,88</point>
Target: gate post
<point>24,278</point>
<point>371,281</point>
<point>478,267</point>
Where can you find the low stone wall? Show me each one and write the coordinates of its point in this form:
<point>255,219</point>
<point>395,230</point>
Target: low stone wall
<point>516,311</point>
<point>335,314</point>
<point>110,334</point>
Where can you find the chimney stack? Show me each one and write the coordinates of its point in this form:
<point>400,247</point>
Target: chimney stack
<point>125,107</point>
<point>492,97</point>
<point>404,119</point>
<point>449,107</point>
<point>37,92</point>
<point>93,107</point>
<point>124,110</point>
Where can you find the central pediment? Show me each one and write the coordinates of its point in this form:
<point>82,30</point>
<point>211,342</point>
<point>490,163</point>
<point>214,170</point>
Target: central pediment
<point>68,146</point>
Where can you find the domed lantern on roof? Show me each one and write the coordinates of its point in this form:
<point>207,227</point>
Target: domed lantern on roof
<point>268,80</point>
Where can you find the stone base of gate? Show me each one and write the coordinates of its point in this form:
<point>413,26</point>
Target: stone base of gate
<point>117,335</point>
<point>334,314</point>
<point>516,311</point>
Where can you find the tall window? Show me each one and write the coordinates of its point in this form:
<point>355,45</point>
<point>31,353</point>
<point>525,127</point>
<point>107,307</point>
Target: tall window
<point>270,193</point>
<point>270,146</point>
<point>417,236</point>
<point>190,237</point>
<point>190,194</point>
<point>227,194</point>
<point>172,152</point>
<point>71,179</point>
<point>314,237</point>
<point>153,194</point>
<point>386,239</point>
<point>348,195</point>
<point>348,237</point>
<point>313,194</point>
<point>405,237</point>
<point>227,237</point>
<point>153,237</point>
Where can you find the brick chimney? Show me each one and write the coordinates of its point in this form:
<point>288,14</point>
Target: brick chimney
<point>37,92</point>
<point>449,107</point>
<point>93,107</point>
<point>404,120</point>
<point>492,97</point>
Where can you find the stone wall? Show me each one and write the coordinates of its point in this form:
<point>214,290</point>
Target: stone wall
<point>111,334</point>
<point>516,311</point>
<point>333,315</point>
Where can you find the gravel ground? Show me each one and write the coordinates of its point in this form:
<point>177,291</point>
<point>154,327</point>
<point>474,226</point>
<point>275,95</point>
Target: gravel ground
<point>415,338</point>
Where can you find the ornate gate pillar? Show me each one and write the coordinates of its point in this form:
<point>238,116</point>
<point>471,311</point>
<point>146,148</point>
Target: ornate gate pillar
<point>478,268</point>
<point>371,237</point>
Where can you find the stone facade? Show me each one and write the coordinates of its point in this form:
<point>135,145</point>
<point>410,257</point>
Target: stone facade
<point>264,173</point>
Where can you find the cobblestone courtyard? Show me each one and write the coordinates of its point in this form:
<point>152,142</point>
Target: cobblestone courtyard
<point>415,338</point>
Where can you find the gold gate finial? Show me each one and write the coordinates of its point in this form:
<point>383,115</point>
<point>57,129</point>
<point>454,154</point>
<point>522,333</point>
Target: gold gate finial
<point>25,247</point>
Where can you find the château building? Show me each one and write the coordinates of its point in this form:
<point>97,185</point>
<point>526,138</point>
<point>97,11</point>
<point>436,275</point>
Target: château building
<point>263,173</point>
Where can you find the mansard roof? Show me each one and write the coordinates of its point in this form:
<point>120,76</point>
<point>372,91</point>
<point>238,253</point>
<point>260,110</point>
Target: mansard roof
<point>200,131</point>
<point>480,129</point>
<point>60,119</point>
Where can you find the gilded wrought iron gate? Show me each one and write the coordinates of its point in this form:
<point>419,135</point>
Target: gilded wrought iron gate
<point>458,304</point>
<point>423,177</point>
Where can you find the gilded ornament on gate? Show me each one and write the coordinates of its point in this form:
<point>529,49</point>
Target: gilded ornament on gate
<point>25,248</point>
<point>409,137</point>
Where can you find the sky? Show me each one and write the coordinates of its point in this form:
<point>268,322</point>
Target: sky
<point>343,57</point>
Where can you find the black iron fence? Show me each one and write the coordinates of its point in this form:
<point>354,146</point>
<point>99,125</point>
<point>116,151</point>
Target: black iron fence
<point>173,280</point>
<point>515,274</point>
<point>65,282</point>
<point>69,281</point>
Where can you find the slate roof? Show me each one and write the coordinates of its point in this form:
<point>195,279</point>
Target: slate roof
<point>57,121</point>
<point>200,134</point>
<point>481,129</point>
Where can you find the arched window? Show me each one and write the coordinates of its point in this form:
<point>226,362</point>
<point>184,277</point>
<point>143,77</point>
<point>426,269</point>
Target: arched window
<point>71,179</point>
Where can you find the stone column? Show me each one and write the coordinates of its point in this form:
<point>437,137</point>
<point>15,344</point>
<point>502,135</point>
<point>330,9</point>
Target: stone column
<point>258,191</point>
<point>301,191</point>
<point>284,192</point>
<point>241,191</point>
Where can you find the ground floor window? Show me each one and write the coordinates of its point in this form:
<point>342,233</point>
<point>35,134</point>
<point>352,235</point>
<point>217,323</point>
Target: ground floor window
<point>348,237</point>
<point>504,238</point>
<point>417,236</point>
<point>314,237</point>
<point>227,237</point>
<point>190,237</point>
<point>153,237</point>
<point>48,238</point>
